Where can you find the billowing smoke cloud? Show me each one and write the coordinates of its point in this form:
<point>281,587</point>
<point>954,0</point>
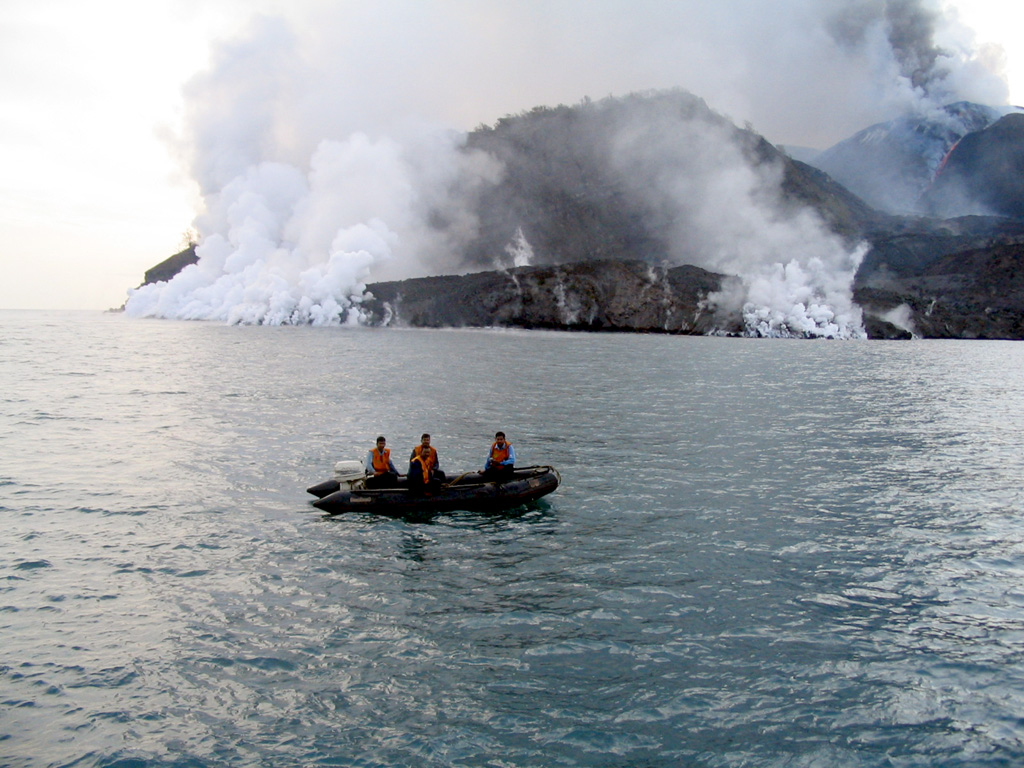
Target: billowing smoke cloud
<point>322,146</point>
<point>914,72</point>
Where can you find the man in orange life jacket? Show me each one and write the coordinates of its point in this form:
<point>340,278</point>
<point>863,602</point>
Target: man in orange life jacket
<point>379,468</point>
<point>425,475</point>
<point>501,460</point>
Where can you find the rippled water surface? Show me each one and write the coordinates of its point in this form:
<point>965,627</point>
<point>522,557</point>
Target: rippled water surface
<point>763,553</point>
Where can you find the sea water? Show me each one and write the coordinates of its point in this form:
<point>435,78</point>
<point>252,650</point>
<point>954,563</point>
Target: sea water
<point>763,553</point>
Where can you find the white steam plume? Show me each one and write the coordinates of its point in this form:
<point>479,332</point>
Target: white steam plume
<point>727,213</point>
<point>286,246</point>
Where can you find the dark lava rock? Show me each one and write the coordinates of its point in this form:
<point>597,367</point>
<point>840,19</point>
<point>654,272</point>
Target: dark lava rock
<point>169,267</point>
<point>591,296</point>
<point>957,278</point>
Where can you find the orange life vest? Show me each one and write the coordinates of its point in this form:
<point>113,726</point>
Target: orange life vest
<point>428,462</point>
<point>381,461</point>
<point>498,455</point>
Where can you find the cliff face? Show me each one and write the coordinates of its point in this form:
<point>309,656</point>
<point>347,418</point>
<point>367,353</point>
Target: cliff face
<point>171,266</point>
<point>591,296</point>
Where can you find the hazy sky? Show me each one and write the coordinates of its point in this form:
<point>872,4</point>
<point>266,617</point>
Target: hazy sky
<point>103,104</point>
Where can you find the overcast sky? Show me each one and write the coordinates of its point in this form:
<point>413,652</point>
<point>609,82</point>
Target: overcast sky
<point>103,104</point>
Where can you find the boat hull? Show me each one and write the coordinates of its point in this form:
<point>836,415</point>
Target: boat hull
<point>469,492</point>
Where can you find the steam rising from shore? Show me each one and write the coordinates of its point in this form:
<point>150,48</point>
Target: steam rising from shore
<point>286,246</point>
<point>315,183</point>
<point>727,213</point>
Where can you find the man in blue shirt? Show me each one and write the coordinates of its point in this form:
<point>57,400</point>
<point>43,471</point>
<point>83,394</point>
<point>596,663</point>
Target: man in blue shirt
<point>501,460</point>
<point>379,467</point>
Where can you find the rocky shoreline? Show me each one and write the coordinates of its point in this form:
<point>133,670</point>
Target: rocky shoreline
<point>946,279</point>
<point>956,279</point>
<point>949,279</point>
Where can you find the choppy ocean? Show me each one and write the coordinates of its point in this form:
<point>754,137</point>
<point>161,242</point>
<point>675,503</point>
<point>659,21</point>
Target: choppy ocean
<point>763,553</point>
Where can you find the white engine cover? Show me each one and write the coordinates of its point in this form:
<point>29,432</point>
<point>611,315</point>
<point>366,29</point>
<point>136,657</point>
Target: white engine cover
<point>347,470</point>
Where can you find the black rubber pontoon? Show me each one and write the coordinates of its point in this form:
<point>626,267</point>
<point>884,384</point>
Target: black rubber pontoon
<point>470,492</point>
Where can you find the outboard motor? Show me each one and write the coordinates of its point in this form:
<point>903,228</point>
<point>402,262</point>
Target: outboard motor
<point>348,474</point>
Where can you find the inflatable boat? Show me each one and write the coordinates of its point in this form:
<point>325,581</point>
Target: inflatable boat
<point>471,491</point>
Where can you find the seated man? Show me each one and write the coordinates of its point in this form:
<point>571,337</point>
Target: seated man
<point>501,460</point>
<point>425,475</point>
<point>381,472</point>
